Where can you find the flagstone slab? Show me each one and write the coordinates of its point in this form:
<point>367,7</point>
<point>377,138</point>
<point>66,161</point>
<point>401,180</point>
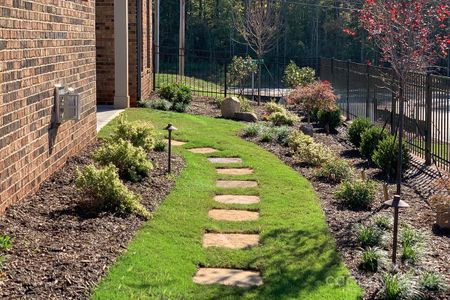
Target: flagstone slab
<point>203,150</point>
<point>225,160</point>
<point>236,183</point>
<point>230,240</point>
<point>237,199</point>
<point>233,277</point>
<point>233,215</point>
<point>235,171</point>
<point>176,143</point>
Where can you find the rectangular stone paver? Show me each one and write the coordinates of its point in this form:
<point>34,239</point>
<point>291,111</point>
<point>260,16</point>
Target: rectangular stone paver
<point>236,199</point>
<point>203,150</point>
<point>225,160</point>
<point>236,183</point>
<point>235,171</point>
<point>176,143</point>
<point>233,277</point>
<point>230,240</point>
<point>233,215</point>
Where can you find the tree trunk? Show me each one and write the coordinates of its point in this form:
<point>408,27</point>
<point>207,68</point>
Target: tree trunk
<point>400,137</point>
<point>259,80</point>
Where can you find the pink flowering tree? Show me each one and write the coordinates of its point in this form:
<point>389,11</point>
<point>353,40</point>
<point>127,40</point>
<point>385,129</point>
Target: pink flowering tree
<point>411,35</point>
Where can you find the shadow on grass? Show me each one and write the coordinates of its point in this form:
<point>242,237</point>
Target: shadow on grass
<point>296,265</point>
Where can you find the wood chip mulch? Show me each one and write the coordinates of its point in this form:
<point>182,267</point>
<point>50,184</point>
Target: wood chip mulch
<point>341,221</point>
<point>60,251</point>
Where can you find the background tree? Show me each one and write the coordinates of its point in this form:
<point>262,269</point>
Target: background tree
<point>410,35</point>
<point>240,70</point>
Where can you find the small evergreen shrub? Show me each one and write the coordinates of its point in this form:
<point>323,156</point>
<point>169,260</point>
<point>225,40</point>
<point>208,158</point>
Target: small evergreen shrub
<point>359,194</point>
<point>294,76</point>
<point>160,145</point>
<point>159,104</point>
<point>5,242</point>
<point>131,161</point>
<point>370,259</point>
<point>330,119</point>
<point>385,156</point>
<point>272,107</point>
<point>370,140</point>
<point>382,222</point>
<point>356,129</point>
<point>297,140</point>
<point>140,134</point>
<point>281,134</point>
<point>369,236</point>
<point>246,106</point>
<point>267,135</point>
<point>314,154</point>
<point>281,119</point>
<point>104,190</point>
<point>252,130</point>
<point>432,281</point>
<point>168,92</point>
<point>335,171</point>
<point>179,95</point>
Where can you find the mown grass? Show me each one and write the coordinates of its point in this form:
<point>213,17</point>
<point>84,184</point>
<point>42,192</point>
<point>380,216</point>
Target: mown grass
<point>297,256</point>
<point>199,87</point>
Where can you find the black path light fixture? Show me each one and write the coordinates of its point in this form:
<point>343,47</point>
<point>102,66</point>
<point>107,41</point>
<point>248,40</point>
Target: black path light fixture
<point>170,128</point>
<point>397,203</point>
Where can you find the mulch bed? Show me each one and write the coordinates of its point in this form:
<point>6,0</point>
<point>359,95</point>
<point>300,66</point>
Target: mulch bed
<point>341,221</point>
<point>60,251</point>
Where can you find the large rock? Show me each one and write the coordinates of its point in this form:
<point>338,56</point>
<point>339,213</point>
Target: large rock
<point>246,117</point>
<point>230,106</point>
<point>307,129</point>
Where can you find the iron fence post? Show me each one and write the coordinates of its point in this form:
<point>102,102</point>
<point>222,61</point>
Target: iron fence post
<point>348,91</point>
<point>428,121</point>
<point>225,79</point>
<point>368,91</point>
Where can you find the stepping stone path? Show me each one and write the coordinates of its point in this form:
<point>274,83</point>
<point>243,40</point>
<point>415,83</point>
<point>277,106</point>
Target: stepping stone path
<point>233,277</point>
<point>237,199</point>
<point>176,143</point>
<point>233,215</point>
<point>230,240</point>
<point>225,160</point>
<point>236,184</point>
<point>235,171</point>
<point>202,150</point>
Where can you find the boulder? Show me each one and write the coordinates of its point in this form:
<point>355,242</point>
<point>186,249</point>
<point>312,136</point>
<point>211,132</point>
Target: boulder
<point>307,129</point>
<point>230,106</point>
<point>283,101</point>
<point>246,117</point>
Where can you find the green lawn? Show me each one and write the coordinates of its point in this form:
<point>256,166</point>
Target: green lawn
<point>199,86</point>
<point>297,256</point>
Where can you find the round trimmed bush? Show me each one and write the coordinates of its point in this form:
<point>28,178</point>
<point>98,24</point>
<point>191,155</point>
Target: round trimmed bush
<point>330,118</point>
<point>359,194</point>
<point>370,140</point>
<point>356,129</point>
<point>385,156</point>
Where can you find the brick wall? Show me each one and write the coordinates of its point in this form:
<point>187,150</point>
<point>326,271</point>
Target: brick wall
<point>105,54</point>
<point>42,43</point>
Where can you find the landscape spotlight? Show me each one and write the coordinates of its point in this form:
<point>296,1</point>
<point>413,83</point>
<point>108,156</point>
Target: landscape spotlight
<point>170,128</point>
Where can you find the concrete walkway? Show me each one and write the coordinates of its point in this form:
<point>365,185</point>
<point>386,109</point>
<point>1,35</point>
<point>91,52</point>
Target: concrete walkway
<point>105,113</point>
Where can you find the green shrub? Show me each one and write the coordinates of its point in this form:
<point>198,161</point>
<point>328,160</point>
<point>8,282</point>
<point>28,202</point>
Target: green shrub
<point>267,135</point>
<point>132,162</point>
<point>253,130</point>
<point>140,134</point>
<point>297,140</point>
<point>160,104</point>
<point>370,140</point>
<point>370,259</point>
<point>396,286</point>
<point>335,171</point>
<point>218,101</point>
<point>432,281</point>
<point>412,242</point>
<point>382,222</point>
<point>281,134</point>
<point>160,145</point>
<point>104,190</point>
<point>369,236</point>
<point>330,119</point>
<point>5,242</point>
<point>385,156</point>
<point>272,107</point>
<point>280,119</point>
<point>179,95</point>
<point>359,194</point>
<point>295,76</point>
<point>356,129</point>
<point>246,105</point>
<point>314,154</point>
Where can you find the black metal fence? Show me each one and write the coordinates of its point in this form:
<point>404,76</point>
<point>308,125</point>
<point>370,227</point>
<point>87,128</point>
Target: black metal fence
<point>207,73</point>
<point>367,91</point>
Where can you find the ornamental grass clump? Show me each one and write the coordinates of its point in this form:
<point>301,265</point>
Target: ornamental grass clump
<point>5,242</point>
<point>252,130</point>
<point>397,286</point>
<point>358,194</point>
<point>370,259</point>
<point>140,134</point>
<point>314,97</point>
<point>160,145</point>
<point>356,129</point>
<point>131,161</point>
<point>103,190</point>
<point>369,236</point>
<point>413,243</point>
<point>335,171</point>
<point>433,282</point>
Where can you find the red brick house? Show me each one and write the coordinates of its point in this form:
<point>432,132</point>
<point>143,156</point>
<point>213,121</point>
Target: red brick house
<point>48,42</point>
